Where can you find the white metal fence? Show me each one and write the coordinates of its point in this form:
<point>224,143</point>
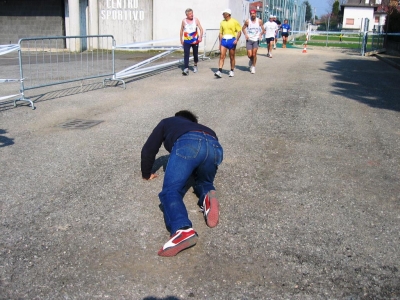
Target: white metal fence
<point>6,49</point>
<point>45,61</point>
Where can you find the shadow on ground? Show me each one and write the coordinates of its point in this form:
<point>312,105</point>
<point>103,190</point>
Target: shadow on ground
<point>5,141</point>
<point>373,91</point>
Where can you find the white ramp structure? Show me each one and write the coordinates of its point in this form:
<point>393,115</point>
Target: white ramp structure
<point>138,69</point>
<point>5,49</point>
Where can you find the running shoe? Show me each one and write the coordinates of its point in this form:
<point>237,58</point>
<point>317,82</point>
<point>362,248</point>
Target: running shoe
<point>231,74</point>
<point>181,240</point>
<point>210,209</point>
<point>268,54</point>
<point>218,74</point>
<point>185,72</point>
<point>195,69</point>
<point>253,70</point>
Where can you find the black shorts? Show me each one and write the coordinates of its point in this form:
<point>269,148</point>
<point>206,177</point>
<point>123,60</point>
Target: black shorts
<point>285,34</point>
<point>270,39</point>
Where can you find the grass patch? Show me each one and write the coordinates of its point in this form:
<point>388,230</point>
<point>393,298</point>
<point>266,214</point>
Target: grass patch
<point>335,44</point>
<point>241,52</point>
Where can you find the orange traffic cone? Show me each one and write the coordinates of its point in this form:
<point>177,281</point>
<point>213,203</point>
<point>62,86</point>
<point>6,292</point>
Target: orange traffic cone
<point>305,48</point>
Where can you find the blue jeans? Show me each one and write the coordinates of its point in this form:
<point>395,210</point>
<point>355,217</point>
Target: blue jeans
<point>194,153</point>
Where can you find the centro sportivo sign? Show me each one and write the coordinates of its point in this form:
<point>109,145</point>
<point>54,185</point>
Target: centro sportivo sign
<point>124,10</point>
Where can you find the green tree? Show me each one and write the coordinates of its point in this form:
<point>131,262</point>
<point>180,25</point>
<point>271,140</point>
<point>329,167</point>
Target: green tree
<point>392,23</point>
<point>309,14</point>
<point>335,8</point>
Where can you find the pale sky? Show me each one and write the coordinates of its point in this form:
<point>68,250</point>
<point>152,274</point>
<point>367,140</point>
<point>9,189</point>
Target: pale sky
<point>322,7</point>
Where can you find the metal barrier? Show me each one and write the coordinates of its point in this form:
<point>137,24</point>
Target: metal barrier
<point>46,61</point>
<point>211,41</point>
<point>138,69</point>
<point>374,43</point>
<point>5,49</point>
<point>327,38</point>
<point>366,43</point>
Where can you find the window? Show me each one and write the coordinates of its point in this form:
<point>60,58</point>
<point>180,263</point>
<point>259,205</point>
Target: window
<point>349,21</point>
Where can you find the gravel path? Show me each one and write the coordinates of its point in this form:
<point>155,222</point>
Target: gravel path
<point>309,187</point>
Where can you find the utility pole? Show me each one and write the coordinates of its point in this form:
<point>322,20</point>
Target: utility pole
<point>314,15</point>
<point>327,29</point>
<point>263,9</point>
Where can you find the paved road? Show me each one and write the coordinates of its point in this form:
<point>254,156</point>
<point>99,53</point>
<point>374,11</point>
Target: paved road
<point>309,186</point>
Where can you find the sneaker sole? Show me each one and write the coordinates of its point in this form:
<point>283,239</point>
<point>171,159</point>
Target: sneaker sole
<point>172,251</point>
<point>213,215</point>
<point>186,74</point>
<point>219,76</point>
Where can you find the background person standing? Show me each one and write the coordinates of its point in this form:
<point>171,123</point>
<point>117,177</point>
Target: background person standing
<point>190,38</point>
<point>229,34</point>
<point>253,31</point>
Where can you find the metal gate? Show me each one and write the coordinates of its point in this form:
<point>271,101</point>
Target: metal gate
<point>46,61</point>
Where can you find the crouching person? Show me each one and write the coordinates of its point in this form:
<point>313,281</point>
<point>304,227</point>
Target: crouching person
<point>194,150</point>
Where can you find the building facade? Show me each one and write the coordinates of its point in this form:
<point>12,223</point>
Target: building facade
<point>128,21</point>
<point>355,12</point>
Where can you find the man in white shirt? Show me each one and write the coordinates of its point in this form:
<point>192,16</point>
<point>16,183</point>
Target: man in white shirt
<point>271,28</point>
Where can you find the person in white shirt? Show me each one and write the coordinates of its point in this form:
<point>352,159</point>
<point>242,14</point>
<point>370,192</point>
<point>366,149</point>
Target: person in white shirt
<point>271,28</point>
<point>253,31</point>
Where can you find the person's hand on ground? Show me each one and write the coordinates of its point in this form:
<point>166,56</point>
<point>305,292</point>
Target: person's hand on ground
<point>152,176</point>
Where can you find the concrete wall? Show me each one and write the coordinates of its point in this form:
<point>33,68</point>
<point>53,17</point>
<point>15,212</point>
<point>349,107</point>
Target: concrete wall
<point>168,16</point>
<point>83,21</point>
<point>127,20</point>
<point>27,18</point>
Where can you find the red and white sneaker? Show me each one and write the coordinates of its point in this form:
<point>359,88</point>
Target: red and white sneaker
<point>210,209</point>
<point>180,240</point>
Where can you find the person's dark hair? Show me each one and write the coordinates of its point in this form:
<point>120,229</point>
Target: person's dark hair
<point>187,114</point>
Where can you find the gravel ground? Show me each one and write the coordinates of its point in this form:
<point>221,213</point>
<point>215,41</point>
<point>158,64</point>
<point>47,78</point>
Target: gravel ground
<point>309,186</point>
